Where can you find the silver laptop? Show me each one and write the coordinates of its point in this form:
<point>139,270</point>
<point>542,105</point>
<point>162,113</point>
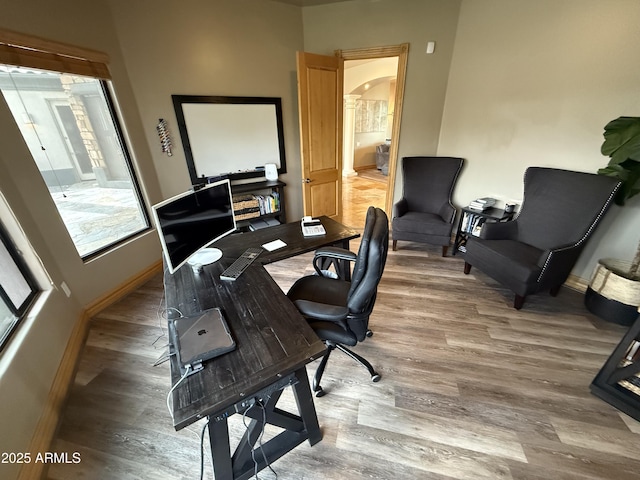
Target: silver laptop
<point>201,337</point>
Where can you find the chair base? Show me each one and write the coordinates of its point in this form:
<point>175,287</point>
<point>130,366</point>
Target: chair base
<point>394,247</point>
<point>317,388</point>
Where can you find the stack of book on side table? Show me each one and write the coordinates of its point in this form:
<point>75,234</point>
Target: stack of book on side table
<point>482,204</point>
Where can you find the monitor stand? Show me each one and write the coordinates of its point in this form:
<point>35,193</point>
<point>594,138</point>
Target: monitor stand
<point>204,256</point>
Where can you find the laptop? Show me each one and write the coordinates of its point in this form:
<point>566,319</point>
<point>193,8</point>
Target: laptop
<point>201,337</point>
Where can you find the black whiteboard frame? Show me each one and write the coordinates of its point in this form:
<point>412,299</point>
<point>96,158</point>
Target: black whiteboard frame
<point>180,100</point>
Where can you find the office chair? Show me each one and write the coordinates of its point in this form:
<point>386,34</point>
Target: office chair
<point>538,249</point>
<point>425,212</point>
<point>338,309</point>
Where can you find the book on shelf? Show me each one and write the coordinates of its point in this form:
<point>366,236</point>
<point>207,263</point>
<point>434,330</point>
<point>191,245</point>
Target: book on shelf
<point>631,356</point>
<point>483,203</point>
<point>252,206</point>
<point>472,224</point>
<point>632,384</point>
<point>633,352</point>
<point>269,203</point>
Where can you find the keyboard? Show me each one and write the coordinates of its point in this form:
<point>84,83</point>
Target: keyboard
<point>240,265</point>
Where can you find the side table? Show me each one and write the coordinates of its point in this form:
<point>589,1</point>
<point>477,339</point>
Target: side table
<point>618,381</point>
<point>471,222</point>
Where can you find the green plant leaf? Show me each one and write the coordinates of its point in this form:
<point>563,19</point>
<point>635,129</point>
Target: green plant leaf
<point>622,139</point>
<point>622,145</point>
<point>628,172</point>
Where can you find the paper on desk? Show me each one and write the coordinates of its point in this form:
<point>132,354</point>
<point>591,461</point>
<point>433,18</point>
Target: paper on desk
<point>276,244</point>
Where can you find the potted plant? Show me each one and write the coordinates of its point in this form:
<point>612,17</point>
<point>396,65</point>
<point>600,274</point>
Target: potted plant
<point>614,291</point>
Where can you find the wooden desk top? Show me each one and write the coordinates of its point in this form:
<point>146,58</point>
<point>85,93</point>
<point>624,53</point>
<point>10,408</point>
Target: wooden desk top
<point>290,233</point>
<point>273,339</point>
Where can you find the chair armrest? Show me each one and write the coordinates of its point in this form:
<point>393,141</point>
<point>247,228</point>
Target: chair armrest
<point>557,264</point>
<point>447,212</point>
<point>400,208</point>
<point>499,230</point>
<point>338,257</point>
<point>335,252</point>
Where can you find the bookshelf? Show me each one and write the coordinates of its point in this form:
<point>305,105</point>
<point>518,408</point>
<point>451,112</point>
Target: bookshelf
<point>618,382</point>
<point>471,221</point>
<point>258,200</point>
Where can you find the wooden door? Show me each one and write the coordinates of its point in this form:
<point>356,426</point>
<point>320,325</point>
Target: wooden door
<point>320,109</point>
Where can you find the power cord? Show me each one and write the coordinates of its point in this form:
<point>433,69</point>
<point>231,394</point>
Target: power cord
<point>253,450</point>
<point>162,316</point>
<point>186,373</point>
<point>204,427</point>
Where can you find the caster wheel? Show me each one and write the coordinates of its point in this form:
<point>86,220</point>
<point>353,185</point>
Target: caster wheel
<point>320,393</point>
<point>376,377</point>
<point>369,333</point>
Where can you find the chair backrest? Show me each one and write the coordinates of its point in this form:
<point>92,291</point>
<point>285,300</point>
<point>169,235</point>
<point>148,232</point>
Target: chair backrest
<point>562,207</point>
<point>367,271</point>
<point>429,182</point>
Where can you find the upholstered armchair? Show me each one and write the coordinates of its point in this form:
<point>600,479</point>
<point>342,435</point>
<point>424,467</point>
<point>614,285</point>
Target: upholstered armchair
<point>425,213</point>
<point>537,250</point>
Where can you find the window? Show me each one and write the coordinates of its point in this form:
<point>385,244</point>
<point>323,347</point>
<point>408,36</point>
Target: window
<point>67,118</point>
<point>17,288</point>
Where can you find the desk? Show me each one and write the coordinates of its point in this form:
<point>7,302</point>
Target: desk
<point>290,233</point>
<point>274,343</point>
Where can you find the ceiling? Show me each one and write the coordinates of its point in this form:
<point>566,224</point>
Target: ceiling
<point>308,3</point>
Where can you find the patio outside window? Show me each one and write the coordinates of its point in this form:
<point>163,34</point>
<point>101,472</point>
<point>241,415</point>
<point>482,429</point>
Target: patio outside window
<point>69,125</point>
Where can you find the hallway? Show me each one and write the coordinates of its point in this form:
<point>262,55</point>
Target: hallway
<point>358,193</point>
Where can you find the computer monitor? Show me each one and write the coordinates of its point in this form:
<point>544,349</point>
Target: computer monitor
<point>189,222</point>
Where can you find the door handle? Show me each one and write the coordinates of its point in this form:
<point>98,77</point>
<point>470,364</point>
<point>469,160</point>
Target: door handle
<point>306,180</point>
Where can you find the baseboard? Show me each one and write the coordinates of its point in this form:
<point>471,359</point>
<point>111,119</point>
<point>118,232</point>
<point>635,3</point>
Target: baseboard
<point>50,418</point>
<point>130,285</point>
<point>577,283</point>
<point>364,167</point>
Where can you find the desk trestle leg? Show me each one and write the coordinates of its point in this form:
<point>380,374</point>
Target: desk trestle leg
<point>249,458</point>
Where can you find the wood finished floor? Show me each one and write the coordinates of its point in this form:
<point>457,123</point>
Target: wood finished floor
<point>470,389</point>
<point>359,192</point>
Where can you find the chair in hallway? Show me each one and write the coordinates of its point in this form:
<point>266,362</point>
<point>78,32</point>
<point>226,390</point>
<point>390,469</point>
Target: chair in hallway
<point>537,250</point>
<point>425,213</point>
<point>338,309</point>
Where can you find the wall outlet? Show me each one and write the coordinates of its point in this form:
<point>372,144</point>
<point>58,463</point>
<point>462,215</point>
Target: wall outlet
<point>65,289</point>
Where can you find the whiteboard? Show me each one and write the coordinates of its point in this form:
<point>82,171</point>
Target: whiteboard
<point>230,136</point>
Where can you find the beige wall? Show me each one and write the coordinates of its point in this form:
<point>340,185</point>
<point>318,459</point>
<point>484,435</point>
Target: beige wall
<point>534,83</point>
<point>359,24</point>
<point>211,48</point>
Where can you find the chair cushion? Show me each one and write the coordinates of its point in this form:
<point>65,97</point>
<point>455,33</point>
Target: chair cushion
<point>322,311</point>
<point>421,223</point>
<point>510,262</point>
<point>315,288</point>
<point>323,301</point>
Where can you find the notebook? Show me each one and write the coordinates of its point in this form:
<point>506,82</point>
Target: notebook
<point>201,337</point>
